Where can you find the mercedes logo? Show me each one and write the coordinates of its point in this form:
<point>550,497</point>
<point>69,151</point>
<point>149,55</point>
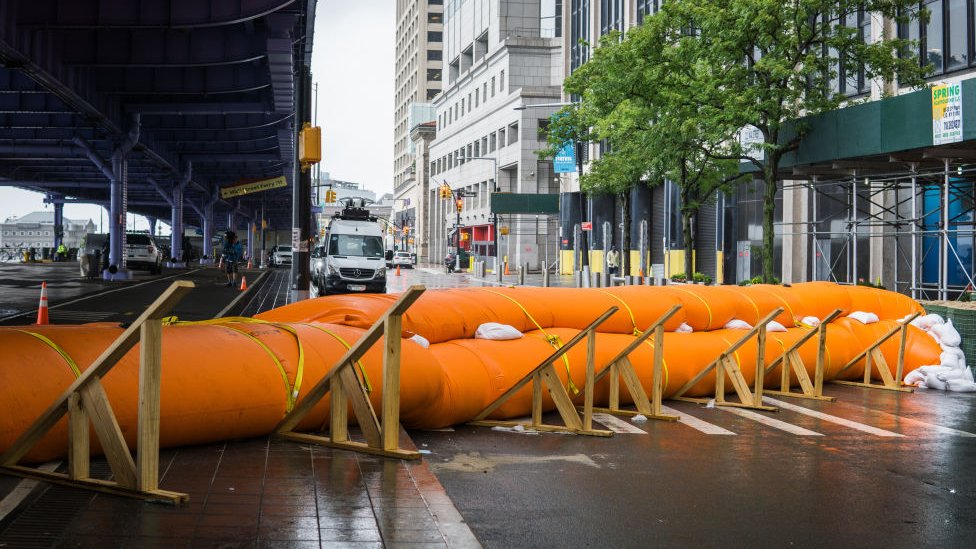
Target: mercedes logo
<point>357,272</point>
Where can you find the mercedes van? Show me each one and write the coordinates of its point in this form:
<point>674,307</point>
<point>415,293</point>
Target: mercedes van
<point>351,258</point>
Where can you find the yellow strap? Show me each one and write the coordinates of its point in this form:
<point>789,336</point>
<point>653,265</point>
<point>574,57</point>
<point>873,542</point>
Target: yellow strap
<point>359,363</point>
<point>633,320</point>
<point>64,354</point>
<point>553,340</point>
<point>709,309</point>
<point>289,402</point>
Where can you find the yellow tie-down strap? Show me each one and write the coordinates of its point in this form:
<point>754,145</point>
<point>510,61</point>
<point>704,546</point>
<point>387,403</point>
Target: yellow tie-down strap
<point>57,348</point>
<point>638,333</point>
<point>553,340</point>
<point>359,363</point>
<point>291,389</point>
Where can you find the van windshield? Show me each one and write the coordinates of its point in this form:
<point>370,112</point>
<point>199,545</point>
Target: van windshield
<point>355,245</point>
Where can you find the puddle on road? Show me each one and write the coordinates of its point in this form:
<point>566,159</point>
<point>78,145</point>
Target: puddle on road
<point>7,312</point>
<point>474,462</point>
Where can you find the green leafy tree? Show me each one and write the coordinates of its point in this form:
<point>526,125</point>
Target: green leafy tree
<point>766,63</point>
<point>637,97</point>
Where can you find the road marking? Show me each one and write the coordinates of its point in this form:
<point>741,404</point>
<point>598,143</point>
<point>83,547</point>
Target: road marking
<point>241,295</point>
<point>22,490</point>
<point>89,316</point>
<point>770,422</point>
<point>833,419</point>
<point>918,423</point>
<point>695,423</point>
<point>618,425</point>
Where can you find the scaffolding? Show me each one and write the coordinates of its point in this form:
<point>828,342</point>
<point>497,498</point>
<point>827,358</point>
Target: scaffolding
<point>913,215</point>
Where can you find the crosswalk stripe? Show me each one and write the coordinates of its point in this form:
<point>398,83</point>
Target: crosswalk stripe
<point>833,419</point>
<point>921,424</point>
<point>695,423</point>
<point>770,422</point>
<point>618,425</point>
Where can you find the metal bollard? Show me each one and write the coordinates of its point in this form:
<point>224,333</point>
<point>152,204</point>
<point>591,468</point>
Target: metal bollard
<point>521,275</point>
<point>545,278</point>
<point>597,280</point>
<point>577,279</point>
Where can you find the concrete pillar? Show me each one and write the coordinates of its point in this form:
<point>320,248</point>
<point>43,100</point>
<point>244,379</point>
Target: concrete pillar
<point>208,230</point>
<point>58,220</point>
<point>795,232</point>
<point>176,223</point>
<point>252,231</point>
<point>152,225</point>
<point>116,214</point>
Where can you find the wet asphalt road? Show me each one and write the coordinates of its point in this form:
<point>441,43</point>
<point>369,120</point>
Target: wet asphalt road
<point>880,469</point>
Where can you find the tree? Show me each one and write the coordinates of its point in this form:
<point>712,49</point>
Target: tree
<point>766,63</point>
<point>637,97</point>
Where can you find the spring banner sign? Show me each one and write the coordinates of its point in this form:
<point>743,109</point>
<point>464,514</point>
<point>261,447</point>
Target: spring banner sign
<point>946,113</point>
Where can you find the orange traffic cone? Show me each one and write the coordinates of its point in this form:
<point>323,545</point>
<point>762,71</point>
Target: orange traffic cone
<point>42,308</point>
<point>398,270</point>
<point>249,264</point>
<point>243,283</point>
<point>506,268</point>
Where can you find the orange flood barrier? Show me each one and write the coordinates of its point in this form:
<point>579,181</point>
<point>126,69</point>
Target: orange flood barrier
<point>235,378</point>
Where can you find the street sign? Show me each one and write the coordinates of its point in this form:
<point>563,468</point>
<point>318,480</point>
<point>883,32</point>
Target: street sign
<point>587,225</point>
<point>565,160</point>
<point>253,187</point>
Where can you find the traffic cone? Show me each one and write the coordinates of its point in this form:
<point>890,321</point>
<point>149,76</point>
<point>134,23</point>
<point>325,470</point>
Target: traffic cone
<point>42,308</point>
<point>243,283</point>
<point>398,270</point>
<point>249,264</point>
<point>506,268</point>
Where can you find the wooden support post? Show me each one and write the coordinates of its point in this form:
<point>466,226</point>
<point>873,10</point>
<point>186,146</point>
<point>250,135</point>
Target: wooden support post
<point>85,399</point>
<point>620,367</point>
<point>545,373</point>
<point>873,356</point>
<point>792,362</point>
<point>347,389</point>
<point>726,364</point>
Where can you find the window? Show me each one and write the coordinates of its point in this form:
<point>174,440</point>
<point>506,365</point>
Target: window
<point>493,86</point>
<point>513,131</point>
<point>501,138</point>
<point>501,81</point>
<point>933,46</point>
<point>435,2</point>
<point>435,55</point>
<point>433,75</point>
<point>579,33</point>
<point>543,129</point>
<point>432,94</point>
<point>435,36</point>
<point>484,92</point>
<point>477,97</point>
<point>462,106</point>
<point>435,18</point>
<point>491,142</point>
<point>645,8</point>
<point>611,16</point>
<point>957,40</point>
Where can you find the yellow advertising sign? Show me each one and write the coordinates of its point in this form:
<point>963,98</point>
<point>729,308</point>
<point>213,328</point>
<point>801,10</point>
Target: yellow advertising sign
<point>946,113</point>
<point>253,187</point>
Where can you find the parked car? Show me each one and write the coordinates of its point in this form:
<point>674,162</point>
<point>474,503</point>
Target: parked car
<point>143,253</point>
<point>280,255</point>
<point>404,259</point>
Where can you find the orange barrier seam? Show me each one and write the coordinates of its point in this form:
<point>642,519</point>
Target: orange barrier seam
<point>64,354</point>
<point>289,401</point>
<point>553,340</point>
<point>359,363</point>
<point>705,303</point>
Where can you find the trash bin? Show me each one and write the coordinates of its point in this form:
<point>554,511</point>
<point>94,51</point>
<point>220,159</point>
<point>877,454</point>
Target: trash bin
<point>91,265</point>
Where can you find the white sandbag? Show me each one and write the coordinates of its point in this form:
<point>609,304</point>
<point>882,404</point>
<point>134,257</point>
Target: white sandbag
<point>864,317</point>
<point>497,332</point>
<point>933,382</point>
<point>420,340</point>
<point>948,335</point>
<point>953,358</point>
<point>774,326</point>
<point>736,324</point>
<point>810,321</point>
<point>961,386</point>
<point>915,377</point>
<point>684,329</point>
<point>926,322</point>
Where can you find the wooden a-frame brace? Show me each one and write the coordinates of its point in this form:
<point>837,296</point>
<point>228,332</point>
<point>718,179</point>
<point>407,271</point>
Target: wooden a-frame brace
<point>382,439</point>
<point>620,367</point>
<point>85,400</point>
<point>792,361</point>
<point>545,373</point>
<point>873,356</point>
<point>726,364</point>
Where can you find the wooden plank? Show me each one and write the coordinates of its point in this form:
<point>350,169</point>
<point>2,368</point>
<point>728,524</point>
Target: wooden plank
<point>109,434</point>
<point>759,382</point>
<point>150,371</point>
<point>883,370</point>
<point>657,379</point>
<point>738,381</point>
<point>97,485</point>
<point>158,309</point>
<point>878,342</point>
<point>353,354</point>
<point>549,360</point>
<point>351,445</point>
<point>873,386</point>
<point>796,362</point>
<point>806,337</point>
<point>614,385</point>
<point>588,383</point>
<point>651,330</point>
<point>391,382</point>
<point>361,406</point>
<point>901,353</point>
<point>818,373</point>
<point>79,451</point>
<point>541,428</point>
<point>537,399</point>
<point>338,407</point>
<point>564,405</point>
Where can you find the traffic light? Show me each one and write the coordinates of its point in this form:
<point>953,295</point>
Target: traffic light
<point>445,191</point>
<point>406,229</point>
<point>330,196</point>
<point>460,204</point>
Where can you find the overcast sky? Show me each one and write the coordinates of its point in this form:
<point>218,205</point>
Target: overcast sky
<point>353,63</point>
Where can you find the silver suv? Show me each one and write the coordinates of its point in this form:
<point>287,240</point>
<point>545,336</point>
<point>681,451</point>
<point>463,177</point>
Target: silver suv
<point>142,252</point>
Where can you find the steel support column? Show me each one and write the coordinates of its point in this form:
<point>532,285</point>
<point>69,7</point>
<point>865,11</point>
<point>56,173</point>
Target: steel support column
<point>58,219</point>
<point>301,214</point>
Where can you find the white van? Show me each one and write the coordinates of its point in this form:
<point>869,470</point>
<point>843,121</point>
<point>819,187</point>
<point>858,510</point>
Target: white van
<point>351,258</point>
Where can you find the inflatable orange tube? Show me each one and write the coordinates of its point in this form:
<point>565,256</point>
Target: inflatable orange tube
<point>237,378</point>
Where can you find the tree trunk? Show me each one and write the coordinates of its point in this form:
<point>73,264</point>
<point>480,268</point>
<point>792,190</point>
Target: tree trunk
<point>769,209</point>
<point>625,236</point>
<point>688,237</point>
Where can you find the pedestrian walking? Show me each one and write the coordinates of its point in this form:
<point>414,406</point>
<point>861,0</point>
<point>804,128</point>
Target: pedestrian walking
<point>613,260</point>
<point>231,254</point>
